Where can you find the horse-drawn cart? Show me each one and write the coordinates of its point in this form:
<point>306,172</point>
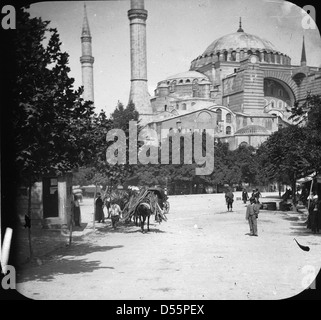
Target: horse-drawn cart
<point>145,203</point>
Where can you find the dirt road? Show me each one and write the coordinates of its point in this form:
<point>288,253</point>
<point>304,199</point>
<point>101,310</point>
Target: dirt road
<point>201,252</point>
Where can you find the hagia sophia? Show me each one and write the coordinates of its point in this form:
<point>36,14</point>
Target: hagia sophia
<point>241,85</point>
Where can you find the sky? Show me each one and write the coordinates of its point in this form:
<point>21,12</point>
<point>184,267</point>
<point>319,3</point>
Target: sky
<point>177,31</point>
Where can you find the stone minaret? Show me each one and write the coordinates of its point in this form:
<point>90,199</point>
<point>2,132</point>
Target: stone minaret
<point>87,60</point>
<point>138,90</point>
<point>303,55</point>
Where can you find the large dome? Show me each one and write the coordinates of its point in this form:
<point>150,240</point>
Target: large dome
<point>237,46</point>
<point>239,40</point>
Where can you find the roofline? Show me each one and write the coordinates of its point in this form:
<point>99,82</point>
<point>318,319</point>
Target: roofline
<point>181,115</point>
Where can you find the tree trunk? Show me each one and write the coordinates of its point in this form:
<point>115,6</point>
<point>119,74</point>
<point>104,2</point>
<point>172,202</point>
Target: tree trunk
<point>29,216</point>
<point>294,192</point>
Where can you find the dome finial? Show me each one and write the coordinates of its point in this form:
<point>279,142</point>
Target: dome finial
<point>240,26</point>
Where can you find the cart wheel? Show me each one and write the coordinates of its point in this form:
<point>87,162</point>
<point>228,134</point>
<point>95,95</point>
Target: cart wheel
<point>166,207</point>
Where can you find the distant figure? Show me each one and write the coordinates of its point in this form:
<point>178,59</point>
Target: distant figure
<point>314,220</point>
<point>107,204</point>
<point>287,195</point>
<point>304,195</point>
<point>76,208</point>
<point>99,204</point>
<point>257,195</point>
<point>115,213</point>
<point>245,195</point>
<point>253,194</point>
<point>229,197</point>
<point>252,212</point>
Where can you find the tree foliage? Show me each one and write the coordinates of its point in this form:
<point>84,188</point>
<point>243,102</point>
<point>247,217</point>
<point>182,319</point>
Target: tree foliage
<point>309,113</point>
<point>50,119</point>
<point>284,155</point>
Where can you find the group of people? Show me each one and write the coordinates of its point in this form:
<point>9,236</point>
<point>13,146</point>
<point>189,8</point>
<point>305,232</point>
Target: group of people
<point>256,194</point>
<point>252,209</point>
<point>113,210</point>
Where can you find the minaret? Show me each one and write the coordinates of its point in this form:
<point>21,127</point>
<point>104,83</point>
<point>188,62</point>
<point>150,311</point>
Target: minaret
<point>87,60</point>
<point>303,55</point>
<point>138,90</point>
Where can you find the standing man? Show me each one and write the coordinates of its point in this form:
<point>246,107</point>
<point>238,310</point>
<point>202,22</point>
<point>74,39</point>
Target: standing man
<point>76,208</point>
<point>245,195</point>
<point>252,212</point>
<point>229,197</point>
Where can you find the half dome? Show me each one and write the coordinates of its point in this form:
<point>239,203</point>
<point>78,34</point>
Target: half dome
<point>252,129</point>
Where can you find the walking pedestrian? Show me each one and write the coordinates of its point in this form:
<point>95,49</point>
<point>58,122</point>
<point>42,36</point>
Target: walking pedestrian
<point>245,195</point>
<point>252,212</point>
<point>99,204</point>
<point>76,208</point>
<point>115,213</point>
<point>229,197</point>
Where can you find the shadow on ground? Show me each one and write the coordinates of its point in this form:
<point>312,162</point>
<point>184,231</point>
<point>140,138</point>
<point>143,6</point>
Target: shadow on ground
<point>63,261</point>
<point>299,227</point>
<point>129,227</point>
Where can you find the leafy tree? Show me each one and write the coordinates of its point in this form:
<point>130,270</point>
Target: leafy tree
<point>50,119</point>
<point>103,172</point>
<point>309,115</point>
<point>284,155</point>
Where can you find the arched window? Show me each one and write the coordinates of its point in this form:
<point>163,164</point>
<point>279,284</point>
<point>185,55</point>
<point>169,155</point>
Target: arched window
<point>188,81</point>
<point>180,81</point>
<point>244,122</point>
<point>225,55</point>
<point>228,130</point>
<point>233,56</point>
<point>244,144</point>
<point>265,56</point>
<point>228,118</point>
<point>173,86</point>
<point>165,107</point>
<point>272,58</point>
<point>219,114</point>
<point>280,104</point>
<point>257,52</point>
<point>193,104</point>
<point>183,106</point>
<point>195,88</point>
<point>272,104</point>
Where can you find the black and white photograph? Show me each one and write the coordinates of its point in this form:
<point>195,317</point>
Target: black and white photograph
<point>160,151</point>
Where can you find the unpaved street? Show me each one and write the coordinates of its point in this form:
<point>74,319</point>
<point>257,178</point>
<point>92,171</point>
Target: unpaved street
<point>201,252</point>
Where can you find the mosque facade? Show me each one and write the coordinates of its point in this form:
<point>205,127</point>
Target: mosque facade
<point>241,86</point>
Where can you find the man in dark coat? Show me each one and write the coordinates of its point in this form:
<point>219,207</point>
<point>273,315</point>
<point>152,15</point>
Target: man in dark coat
<point>245,195</point>
<point>99,204</point>
<point>229,197</point>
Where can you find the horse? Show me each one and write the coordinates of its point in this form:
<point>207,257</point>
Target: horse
<point>143,212</point>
